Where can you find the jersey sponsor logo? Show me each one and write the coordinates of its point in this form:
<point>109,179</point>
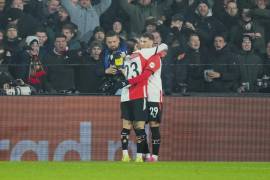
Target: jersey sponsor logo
<point>152,65</point>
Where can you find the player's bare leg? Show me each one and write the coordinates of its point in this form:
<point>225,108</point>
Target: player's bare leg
<point>124,139</point>
<point>140,135</point>
<point>154,126</point>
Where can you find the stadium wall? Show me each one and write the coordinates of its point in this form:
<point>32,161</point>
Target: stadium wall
<point>58,128</point>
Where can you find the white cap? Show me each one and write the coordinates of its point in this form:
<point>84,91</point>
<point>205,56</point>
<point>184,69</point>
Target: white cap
<point>29,40</point>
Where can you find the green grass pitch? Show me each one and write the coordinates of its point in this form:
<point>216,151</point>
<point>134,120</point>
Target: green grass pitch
<point>136,171</point>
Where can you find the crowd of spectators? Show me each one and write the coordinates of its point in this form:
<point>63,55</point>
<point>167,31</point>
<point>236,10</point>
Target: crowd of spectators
<point>67,46</point>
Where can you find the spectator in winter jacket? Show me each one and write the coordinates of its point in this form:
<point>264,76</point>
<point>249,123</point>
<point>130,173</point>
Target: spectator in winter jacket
<point>115,46</point>
<point>222,74</point>
<point>204,24</point>
<point>90,71</point>
<point>85,15</point>
<point>31,69</point>
<point>70,31</point>
<point>59,66</point>
<point>189,70</point>
<point>139,12</point>
<point>250,27</point>
<point>251,67</point>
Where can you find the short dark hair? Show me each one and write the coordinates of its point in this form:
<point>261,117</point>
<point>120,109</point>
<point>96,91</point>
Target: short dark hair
<point>60,35</point>
<point>193,34</point>
<point>70,27</point>
<point>95,44</point>
<point>41,29</point>
<point>111,34</point>
<point>247,37</point>
<point>98,29</point>
<point>222,35</point>
<point>148,35</point>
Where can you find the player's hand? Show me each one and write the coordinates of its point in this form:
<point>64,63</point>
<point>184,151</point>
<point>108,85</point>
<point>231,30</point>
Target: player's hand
<point>111,70</point>
<point>122,70</point>
<point>213,75</point>
<point>122,83</point>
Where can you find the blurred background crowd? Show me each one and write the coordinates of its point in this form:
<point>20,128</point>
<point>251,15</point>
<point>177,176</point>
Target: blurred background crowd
<point>67,46</point>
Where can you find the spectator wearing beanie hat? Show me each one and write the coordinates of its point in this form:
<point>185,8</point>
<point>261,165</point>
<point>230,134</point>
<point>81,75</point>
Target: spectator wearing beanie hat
<point>26,24</point>
<point>11,32</point>
<point>204,24</point>
<point>12,15</point>
<point>248,25</point>
<point>117,26</point>
<point>150,24</point>
<point>13,46</point>
<point>98,35</point>
<point>114,12</point>
<point>262,14</point>
<point>30,68</point>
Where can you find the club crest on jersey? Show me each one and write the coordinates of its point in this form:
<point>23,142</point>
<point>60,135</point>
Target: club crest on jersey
<point>152,65</point>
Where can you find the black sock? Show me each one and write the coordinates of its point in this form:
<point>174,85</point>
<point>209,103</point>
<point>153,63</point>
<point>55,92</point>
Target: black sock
<point>146,146</point>
<point>155,140</point>
<point>140,134</point>
<point>124,138</point>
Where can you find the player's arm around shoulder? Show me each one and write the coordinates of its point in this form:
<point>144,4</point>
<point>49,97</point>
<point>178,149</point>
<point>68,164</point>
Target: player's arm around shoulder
<point>154,63</point>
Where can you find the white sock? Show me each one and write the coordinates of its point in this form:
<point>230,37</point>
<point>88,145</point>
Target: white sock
<point>148,155</point>
<point>155,157</point>
<point>125,152</point>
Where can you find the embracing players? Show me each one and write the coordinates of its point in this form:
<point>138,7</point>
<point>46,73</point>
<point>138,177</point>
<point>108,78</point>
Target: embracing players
<point>142,96</point>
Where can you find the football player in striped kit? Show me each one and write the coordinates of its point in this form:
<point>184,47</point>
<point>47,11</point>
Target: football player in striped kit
<point>140,69</point>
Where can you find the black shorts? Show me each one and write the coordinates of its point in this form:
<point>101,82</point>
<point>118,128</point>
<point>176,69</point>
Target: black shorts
<point>134,110</point>
<point>154,111</point>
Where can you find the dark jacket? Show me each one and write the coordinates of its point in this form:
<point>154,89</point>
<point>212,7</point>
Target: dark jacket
<point>89,74</point>
<point>237,32</point>
<point>32,71</point>
<point>138,13</point>
<point>265,88</point>
<point>250,69</point>
<point>107,58</point>
<point>266,63</point>
<point>190,70</point>
<point>60,71</point>
<point>207,27</point>
<point>177,38</point>
<point>13,49</point>
<point>5,75</point>
<point>224,62</point>
<point>27,25</point>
